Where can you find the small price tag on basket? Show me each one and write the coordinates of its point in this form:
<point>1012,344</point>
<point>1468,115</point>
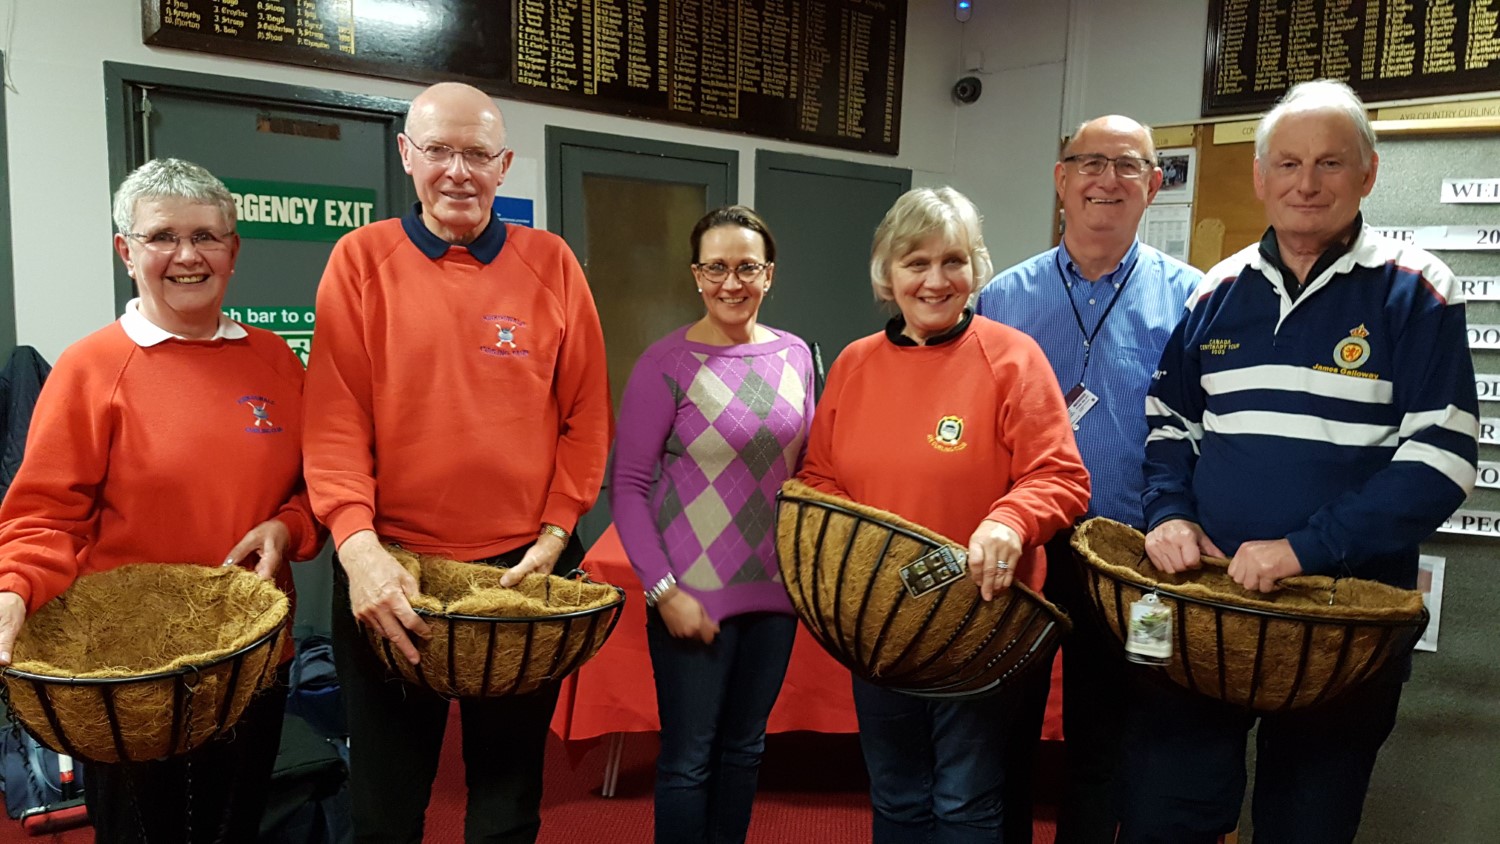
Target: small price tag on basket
<point>933,570</point>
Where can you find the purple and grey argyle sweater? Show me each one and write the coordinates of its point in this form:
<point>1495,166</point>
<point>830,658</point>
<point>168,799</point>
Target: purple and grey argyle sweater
<point>707,435</point>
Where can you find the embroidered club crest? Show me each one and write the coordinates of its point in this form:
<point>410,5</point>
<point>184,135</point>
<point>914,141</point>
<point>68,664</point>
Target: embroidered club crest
<point>1353,351</point>
<point>949,434</point>
<point>262,415</point>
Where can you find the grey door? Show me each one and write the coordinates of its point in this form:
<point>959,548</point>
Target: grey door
<point>824,214</point>
<point>626,207</point>
<point>263,139</point>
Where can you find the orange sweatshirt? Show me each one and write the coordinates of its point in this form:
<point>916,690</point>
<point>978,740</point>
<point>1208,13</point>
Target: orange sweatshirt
<point>167,453</point>
<point>949,435</point>
<point>455,404</point>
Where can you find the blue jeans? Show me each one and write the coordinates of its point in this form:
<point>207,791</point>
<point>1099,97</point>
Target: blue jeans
<point>714,701</point>
<point>937,770</point>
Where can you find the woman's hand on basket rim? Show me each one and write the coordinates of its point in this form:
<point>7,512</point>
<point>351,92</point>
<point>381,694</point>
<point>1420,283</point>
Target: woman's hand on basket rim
<point>1177,545</point>
<point>380,592</point>
<point>994,550</point>
<point>269,540</point>
<point>1259,564</point>
<point>685,616</point>
<point>540,557</point>
<point>12,616</point>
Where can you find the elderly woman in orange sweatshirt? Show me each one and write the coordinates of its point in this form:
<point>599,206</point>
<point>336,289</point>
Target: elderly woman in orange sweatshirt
<point>956,423</point>
<point>171,435</point>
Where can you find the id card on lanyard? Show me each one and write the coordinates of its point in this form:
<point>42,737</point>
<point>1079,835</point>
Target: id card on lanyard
<point>1081,399</point>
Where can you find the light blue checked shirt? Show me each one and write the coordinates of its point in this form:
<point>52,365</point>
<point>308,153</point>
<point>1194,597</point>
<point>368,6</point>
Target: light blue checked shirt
<point>1153,288</point>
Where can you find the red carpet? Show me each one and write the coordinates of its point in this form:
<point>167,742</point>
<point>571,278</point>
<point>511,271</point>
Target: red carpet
<point>812,790</point>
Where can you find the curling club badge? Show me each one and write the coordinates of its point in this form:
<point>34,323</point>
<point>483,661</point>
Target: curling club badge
<point>1352,351</point>
<point>949,435</point>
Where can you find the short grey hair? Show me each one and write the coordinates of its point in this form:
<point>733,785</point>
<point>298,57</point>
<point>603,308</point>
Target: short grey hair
<point>171,178</point>
<point>919,214</point>
<point>1319,95</point>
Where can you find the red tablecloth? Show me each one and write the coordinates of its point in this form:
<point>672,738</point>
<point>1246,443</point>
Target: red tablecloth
<point>614,692</point>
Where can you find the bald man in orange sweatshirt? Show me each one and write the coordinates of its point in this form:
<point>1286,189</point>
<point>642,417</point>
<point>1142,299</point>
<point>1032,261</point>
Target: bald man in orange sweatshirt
<point>457,404</point>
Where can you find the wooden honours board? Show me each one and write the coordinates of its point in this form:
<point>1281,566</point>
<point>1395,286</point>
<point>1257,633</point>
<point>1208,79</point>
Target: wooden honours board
<point>818,71</point>
<point>1385,49</point>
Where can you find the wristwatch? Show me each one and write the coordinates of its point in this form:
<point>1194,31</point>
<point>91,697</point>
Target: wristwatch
<point>659,591</point>
<point>555,531</point>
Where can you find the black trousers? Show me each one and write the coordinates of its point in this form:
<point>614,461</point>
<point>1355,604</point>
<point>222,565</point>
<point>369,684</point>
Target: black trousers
<point>396,737</point>
<point>1095,682</point>
<point>1186,758</point>
<point>216,793</point>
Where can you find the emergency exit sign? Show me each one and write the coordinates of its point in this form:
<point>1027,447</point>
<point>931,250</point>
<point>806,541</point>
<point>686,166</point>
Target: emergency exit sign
<point>293,211</point>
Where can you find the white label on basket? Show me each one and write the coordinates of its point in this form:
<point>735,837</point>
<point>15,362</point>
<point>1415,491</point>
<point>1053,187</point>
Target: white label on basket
<point>1150,634</point>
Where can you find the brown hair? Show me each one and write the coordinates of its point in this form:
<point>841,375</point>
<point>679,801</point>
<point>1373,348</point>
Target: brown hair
<point>733,215</point>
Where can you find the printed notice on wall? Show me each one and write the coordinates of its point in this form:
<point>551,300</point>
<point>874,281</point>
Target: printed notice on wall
<point>1471,190</point>
<point>1168,228</point>
<point>1485,523</point>
<point>1430,583</point>
<point>1488,387</point>
<point>1484,336</point>
<point>1445,238</point>
<point>1489,475</point>
<point>1489,430</point>
<point>1480,288</point>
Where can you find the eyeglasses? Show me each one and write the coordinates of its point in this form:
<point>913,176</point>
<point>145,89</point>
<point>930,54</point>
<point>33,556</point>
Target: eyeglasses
<point>719,273</point>
<point>442,156</point>
<point>168,242</point>
<point>1126,166</point>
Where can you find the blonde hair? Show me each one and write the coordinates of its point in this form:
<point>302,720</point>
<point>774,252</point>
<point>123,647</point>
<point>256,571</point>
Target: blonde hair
<point>919,214</point>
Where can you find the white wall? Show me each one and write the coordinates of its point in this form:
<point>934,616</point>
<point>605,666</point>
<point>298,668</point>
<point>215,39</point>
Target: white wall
<point>58,159</point>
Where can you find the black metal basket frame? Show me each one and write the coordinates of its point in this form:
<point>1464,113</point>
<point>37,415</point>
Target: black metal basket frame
<point>182,696</point>
<point>494,622</point>
<point>1390,629</point>
<point>1042,644</point>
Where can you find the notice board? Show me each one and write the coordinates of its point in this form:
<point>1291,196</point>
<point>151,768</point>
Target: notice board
<point>825,72</point>
<point>1450,711</point>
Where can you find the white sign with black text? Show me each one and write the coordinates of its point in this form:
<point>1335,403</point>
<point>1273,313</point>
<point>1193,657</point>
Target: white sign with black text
<point>1480,288</point>
<point>1484,336</point>
<point>1485,523</point>
<point>1471,190</point>
<point>1489,430</point>
<point>1489,475</point>
<point>1445,238</point>
<point>1488,387</point>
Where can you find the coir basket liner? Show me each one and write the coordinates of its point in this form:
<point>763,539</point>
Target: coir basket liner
<point>146,661</point>
<point>841,562</point>
<point>488,640</point>
<point>1308,643</point>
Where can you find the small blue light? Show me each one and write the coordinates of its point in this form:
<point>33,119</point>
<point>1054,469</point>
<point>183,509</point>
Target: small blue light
<point>963,4</point>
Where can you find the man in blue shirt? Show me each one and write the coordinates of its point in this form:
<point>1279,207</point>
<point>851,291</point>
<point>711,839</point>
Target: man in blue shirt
<point>1102,306</point>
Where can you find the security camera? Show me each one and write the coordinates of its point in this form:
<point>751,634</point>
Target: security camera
<point>967,90</point>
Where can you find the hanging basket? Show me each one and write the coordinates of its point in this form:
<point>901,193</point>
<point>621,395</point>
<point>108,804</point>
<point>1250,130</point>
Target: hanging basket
<point>893,602</point>
<point>488,640</point>
<point>145,661</point>
<point>1301,646</point>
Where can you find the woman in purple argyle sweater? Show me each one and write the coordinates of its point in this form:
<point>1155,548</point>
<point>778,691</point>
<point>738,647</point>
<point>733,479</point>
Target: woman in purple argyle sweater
<point>714,418</point>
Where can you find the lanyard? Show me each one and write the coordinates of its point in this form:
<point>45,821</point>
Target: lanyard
<point>1088,337</point>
